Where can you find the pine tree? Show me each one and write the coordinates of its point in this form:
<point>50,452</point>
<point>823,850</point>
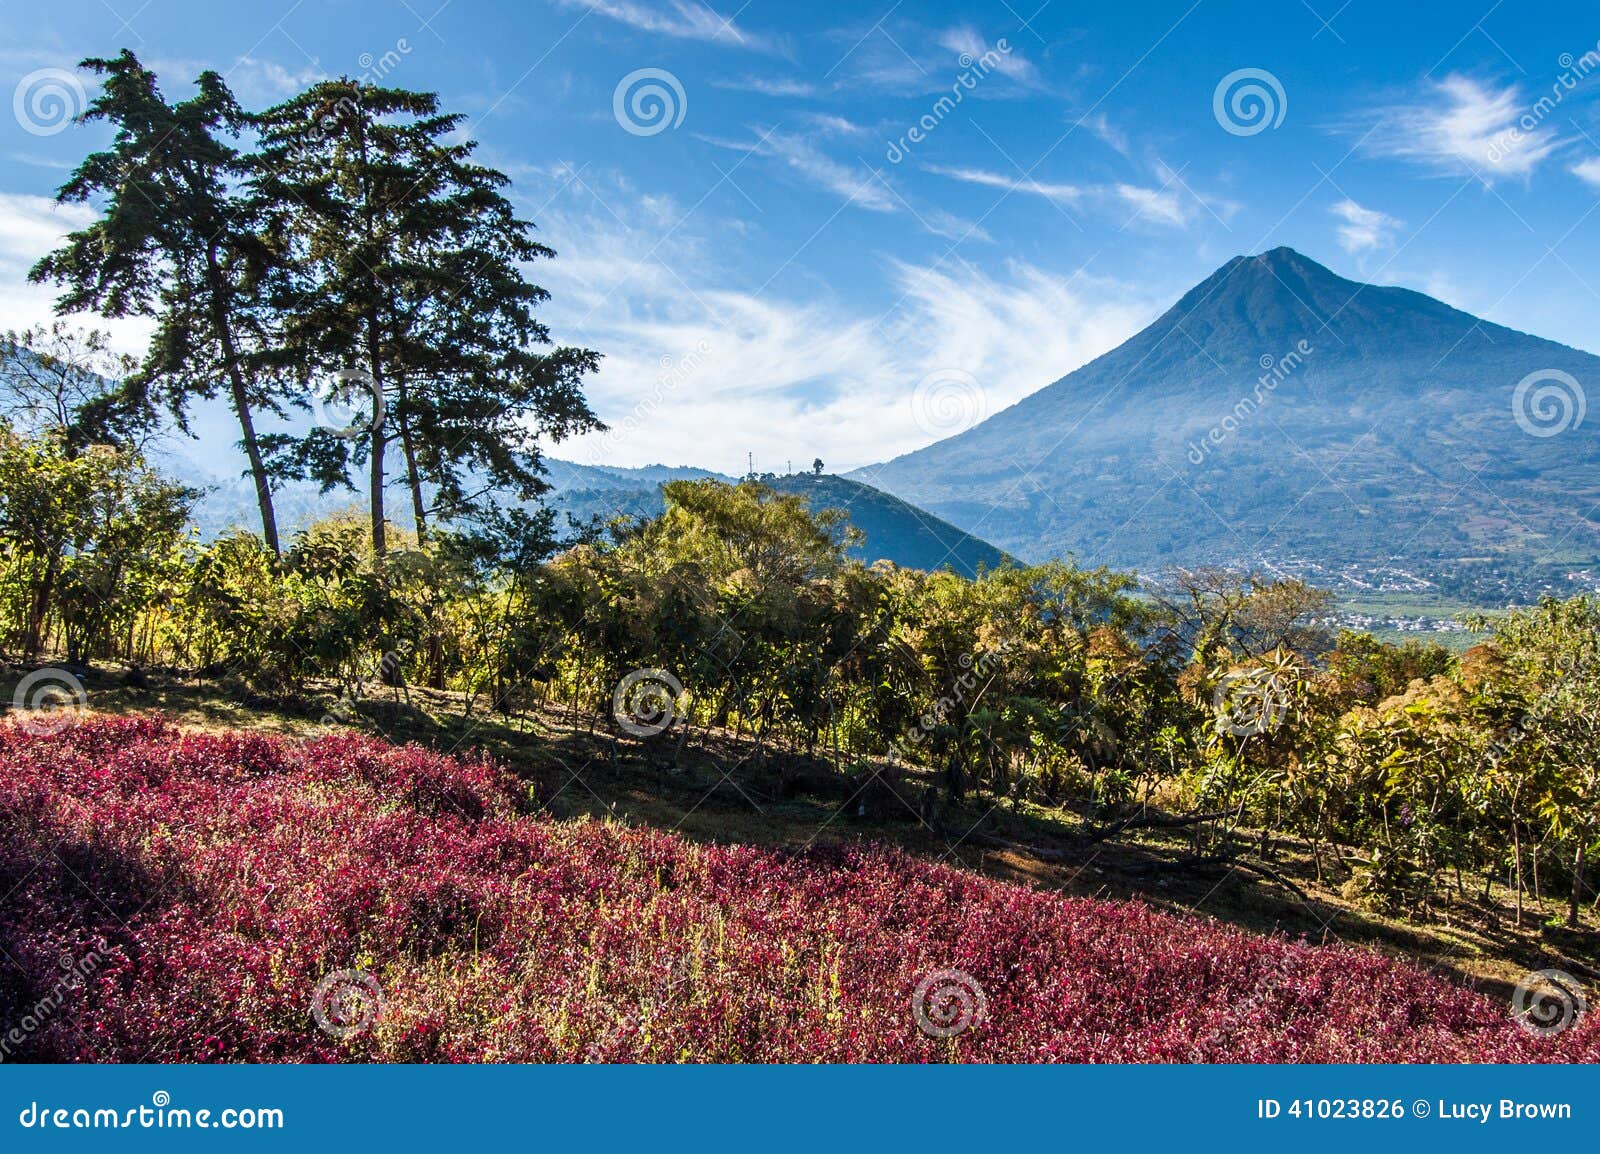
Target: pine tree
<point>408,257</point>
<point>176,240</point>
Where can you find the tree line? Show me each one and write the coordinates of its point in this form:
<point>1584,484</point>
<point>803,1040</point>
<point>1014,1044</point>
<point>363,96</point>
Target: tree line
<point>1214,702</point>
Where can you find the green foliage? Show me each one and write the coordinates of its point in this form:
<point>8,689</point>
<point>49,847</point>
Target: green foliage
<point>891,529</point>
<point>1404,769</point>
<point>346,230</point>
<point>89,543</point>
<point>176,240</point>
<point>349,228</point>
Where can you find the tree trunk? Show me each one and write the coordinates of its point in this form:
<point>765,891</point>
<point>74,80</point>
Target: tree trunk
<point>374,359</point>
<point>39,610</point>
<point>1577,880</point>
<point>239,396</point>
<point>379,439</point>
<point>1516,851</point>
<point>419,511</point>
<point>258,469</point>
<point>954,779</point>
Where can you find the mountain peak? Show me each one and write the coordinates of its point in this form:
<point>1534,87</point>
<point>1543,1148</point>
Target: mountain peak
<point>1284,255</point>
<point>1287,269</point>
<point>1292,265</point>
<point>1281,257</point>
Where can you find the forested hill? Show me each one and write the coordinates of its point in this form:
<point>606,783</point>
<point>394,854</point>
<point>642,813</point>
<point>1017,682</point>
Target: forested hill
<point>895,530</point>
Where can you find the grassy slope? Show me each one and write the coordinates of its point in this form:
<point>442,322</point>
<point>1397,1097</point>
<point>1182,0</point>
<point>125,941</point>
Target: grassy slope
<point>229,884</point>
<point>904,534</point>
<point>579,771</point>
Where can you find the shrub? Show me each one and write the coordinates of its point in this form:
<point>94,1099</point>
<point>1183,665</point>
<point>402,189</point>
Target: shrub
<point>217,881</point>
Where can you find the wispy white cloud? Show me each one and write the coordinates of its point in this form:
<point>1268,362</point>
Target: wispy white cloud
<point>1363,229</point>
<point>1588,170</point>
<point>1110,134</point>
<point>831,125</point>
<point>800,154</point>
<point>952,227</point>
<point>767,85</point>
<point>905,57</point>
<point>1463,125</point>
<point>699,373</point>
<point>856,184</point>
<point>256,81</point>
<point>681,19</point>
<point>1172,205</point>
<point>971,48</point>
<point>1065,194</point>
<point>30,227</point>
<point>1157,205</point>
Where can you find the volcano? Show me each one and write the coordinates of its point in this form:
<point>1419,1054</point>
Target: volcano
<point>1280,415</point>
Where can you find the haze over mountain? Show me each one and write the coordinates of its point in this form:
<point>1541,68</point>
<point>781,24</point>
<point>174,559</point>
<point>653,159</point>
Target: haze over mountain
<point>895,530</point>
<point>1281,415</point>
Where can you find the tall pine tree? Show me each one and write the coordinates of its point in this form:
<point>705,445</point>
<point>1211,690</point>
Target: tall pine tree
<point>175,240</point>
<point>407,261</point>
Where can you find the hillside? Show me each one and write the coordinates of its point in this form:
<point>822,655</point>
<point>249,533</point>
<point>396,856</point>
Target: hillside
<point>895,530</point>
<point>349,900</point>
<point>1282,416</point>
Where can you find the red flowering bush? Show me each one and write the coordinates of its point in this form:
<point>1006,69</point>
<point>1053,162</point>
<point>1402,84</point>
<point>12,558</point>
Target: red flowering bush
<point>241,898</point>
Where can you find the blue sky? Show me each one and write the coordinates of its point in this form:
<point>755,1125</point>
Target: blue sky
<point>775,263</point>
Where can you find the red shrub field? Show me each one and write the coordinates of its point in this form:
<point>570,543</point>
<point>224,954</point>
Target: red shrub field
<point>175,896</point>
